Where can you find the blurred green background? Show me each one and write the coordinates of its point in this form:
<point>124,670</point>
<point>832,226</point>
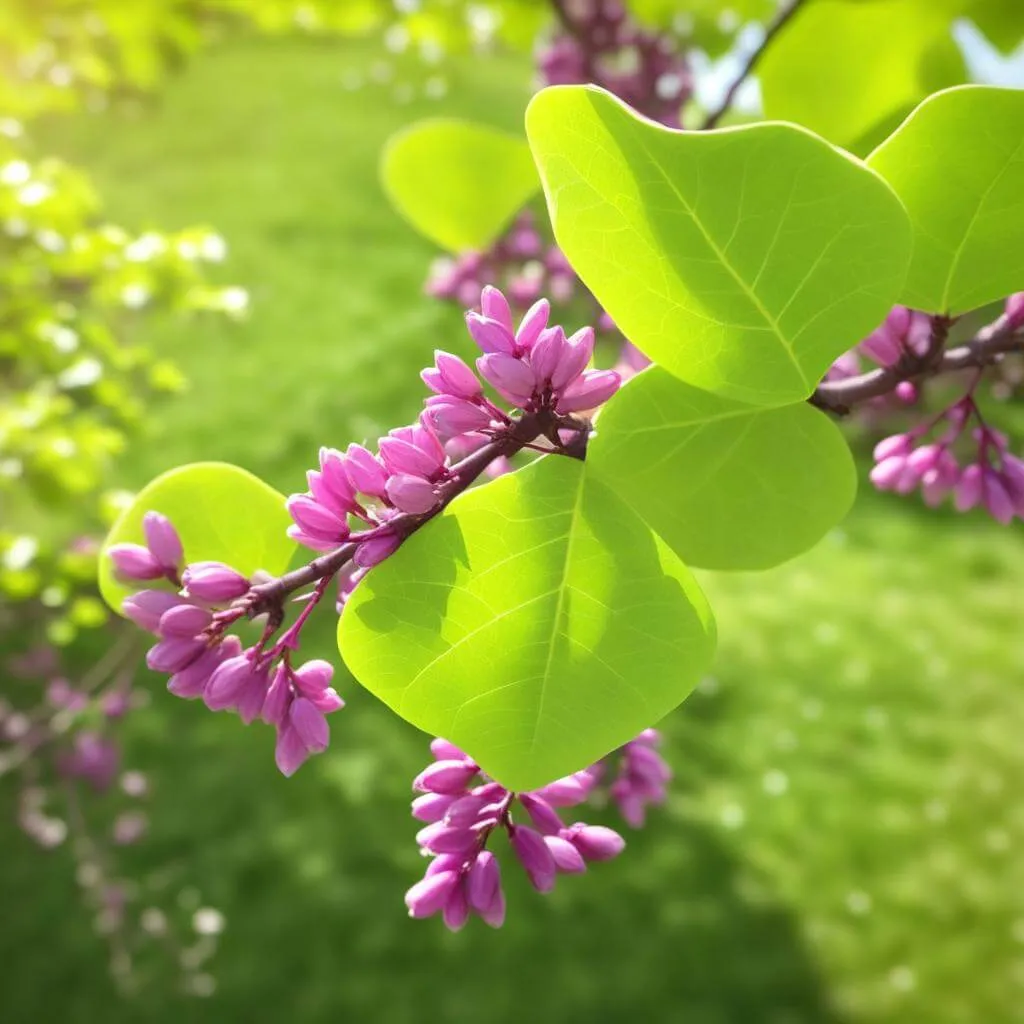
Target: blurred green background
<point>843,839</point>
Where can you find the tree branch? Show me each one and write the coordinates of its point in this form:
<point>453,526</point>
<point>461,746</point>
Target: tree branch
<point>984,349</point>
<point>783,17</point>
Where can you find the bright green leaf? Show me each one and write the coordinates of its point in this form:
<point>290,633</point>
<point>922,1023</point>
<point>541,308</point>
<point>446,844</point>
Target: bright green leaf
<point>537,623</point>
<point>727,485</point>
<point>744,261</point>
<point>222,513</point>
<point>842,67</point>
<point>458,183</point>
<point>958,165</point>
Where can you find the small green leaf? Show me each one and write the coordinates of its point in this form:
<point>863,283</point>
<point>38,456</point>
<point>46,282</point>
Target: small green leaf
<point>458,183</point>
<point>744,261</point>
<point>843,67</point>
<point>222,513</point>
<point>537,623</point>
<point>726,485</point>
<point>957,163</point>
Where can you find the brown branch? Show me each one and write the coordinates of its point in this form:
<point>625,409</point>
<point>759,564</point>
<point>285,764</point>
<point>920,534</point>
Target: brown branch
<point>984,349</point>
<point>785,15</point>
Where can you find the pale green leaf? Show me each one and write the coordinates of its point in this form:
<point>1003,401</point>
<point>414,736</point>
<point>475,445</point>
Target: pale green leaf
<point>458,183</point>
<point>727,485</point>
<point>744,261</point>
<point>222,513</point>
<point>843,67</point>
<point>537,623</point>
<point>957,163</point>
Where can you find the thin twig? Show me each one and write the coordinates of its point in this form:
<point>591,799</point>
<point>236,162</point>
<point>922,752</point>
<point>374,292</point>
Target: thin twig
<point>784,16</point>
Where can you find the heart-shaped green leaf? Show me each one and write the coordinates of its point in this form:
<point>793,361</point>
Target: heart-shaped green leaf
<point>845,68</point>
<point>727,485</point>
<point>744,261</point>
<point>458,183</point>
<point>537,623</point>
<point>957,163</point>
<point>222,513</point>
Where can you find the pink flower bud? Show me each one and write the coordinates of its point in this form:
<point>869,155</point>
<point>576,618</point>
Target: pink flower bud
<point>316,520</point>
<point>191,681</point>
<point>567,858</point>
<point>458,378</point>
<point>456,909</point>
<point>214,582</point>
<point>327,701</point>
<point>310,724</point>
<point>184,620</point>
<point>365,471</point>
<point>411,494</point>
<point>567,792</point>
<point>490,335</point>
<point>589,391</point>
<point>431,807</point>
<point>313,677</point>
<point>174,654</point>
<point>886,475</point>
<point>290,753</point>
<point>134,562</point>
<point>541,813</point>
<point>430,894</point>
<point>278,700</point>
<point>446,777</point>
<point>546,353</point>
<point>595,842</point>
<point>997,500</point>
<point>464,812</point>
<point>968,491</point>
<point>163,541</point>
<point>898,444</point>
<point>440,838</point>
<point>227,682</point>
<point>456,416</point>
<point>495,306</point>
<point>402,457</point>
<point>445,751</point>
<point>533,323</point>
<point>575,356</point>
<point>536,858</point>
<point>146,607</point>
<point>483,881</point>
<point>512,378</point>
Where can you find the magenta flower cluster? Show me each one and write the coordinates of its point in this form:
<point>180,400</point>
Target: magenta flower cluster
<point>205,662</point>
<point>462,810</point>
<point>645,69</point>
<point>532,367</point>
<point>641,779</point>
<point>925,458</point>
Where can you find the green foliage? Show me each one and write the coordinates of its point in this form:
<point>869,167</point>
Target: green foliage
<point>744,261</point>
<point>957,163</point>
<point>221,512</point>
<point>847,68</point>
<point>458,183</point>
<point>727,485</point>
<point>537,623</point>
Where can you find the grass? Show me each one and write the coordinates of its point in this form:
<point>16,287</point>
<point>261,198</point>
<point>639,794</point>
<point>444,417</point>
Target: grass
<point>841,842</point>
